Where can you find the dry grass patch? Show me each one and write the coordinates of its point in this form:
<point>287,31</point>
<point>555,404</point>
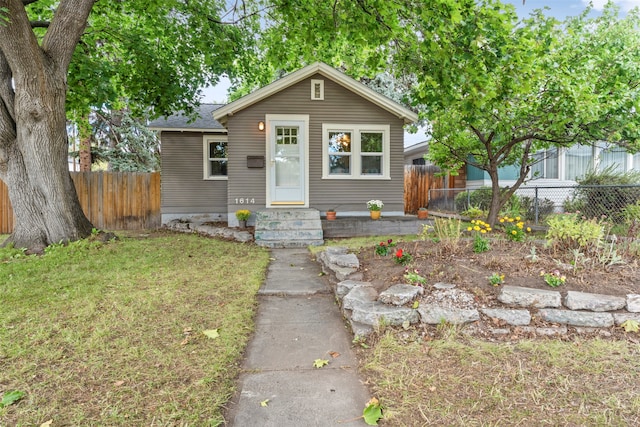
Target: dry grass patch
<point>112,333</point>
<point>462,381</point>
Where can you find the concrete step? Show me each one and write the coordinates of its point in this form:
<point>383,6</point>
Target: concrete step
<point>288,228</point>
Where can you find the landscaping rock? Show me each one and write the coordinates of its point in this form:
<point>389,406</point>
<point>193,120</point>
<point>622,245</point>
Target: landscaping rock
<point>529,297</point>
<point>512,317</point>
<point>577,318</point>
<point>633,303</point>
<point>620,318</point>
<point>593,302</point>
<point>434,315</point>
<point>335,261</point>
<point>343,260</point>
<point>344,287</point>
<point>358,296</point>
<point>450,298</point>
<point>377,312</point>
<point>360,329</point>
<point>400,294</point>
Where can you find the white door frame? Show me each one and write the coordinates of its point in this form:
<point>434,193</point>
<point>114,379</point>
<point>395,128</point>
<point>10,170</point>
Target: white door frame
<point>272,120</point>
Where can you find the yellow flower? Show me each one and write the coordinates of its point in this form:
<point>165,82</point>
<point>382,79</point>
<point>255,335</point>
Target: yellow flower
<point>517,218</point>
<point>514,232</point>
<point>483,231</point>
<point>469,228</point>
<point>529,229</point>
<point>488,228</point>
<point>476,228</point>
<point>501,219</point>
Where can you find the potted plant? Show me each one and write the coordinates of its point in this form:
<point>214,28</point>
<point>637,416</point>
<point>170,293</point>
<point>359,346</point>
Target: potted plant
<point>243,215</point>
<point>375,206</point>
<point>331,214</point>
<point>423,213</point>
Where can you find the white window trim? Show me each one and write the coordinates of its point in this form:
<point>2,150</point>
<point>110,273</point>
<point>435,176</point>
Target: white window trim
<point>314,82</point>
<point>205,157</point>
<point>355,130</point>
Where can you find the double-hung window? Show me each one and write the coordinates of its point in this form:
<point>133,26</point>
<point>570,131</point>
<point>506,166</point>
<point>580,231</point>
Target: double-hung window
<point>355,151</point>
<point>215,157</point>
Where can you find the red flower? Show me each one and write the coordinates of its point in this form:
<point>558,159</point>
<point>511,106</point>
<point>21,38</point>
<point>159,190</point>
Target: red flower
<point>381,243</point>
<point>399,253</point>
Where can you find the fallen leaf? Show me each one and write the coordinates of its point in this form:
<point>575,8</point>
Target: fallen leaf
<point>432,389</point>
<point>319,363</point>
<point>46,423</point>
<point>416,304</point>
<point>372,412</point>
<point>11,397</point>
<point>406,325</point>
<point>118,383</point>
<point>630,325</point>
<point>334,354</point>
<point>211,333</point>
<point>264,403</point>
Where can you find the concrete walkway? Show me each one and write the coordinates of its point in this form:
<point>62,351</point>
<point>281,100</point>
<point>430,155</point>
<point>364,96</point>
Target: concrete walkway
<point>298,322</point>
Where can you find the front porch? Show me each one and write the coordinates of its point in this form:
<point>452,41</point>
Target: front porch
<point>365,226</point>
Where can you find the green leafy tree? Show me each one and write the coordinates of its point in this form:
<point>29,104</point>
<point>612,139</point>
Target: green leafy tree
<point>67,58</point>
<point>512,88</point>
<point>495,89</point>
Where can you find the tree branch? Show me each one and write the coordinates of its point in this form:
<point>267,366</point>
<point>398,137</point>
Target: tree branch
<point>65,31</point>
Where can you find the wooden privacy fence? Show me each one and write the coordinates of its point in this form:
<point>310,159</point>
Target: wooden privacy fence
<point>418,180</point>
<point>111,200</point>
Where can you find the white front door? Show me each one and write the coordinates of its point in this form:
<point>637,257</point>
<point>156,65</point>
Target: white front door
<point>287,173</point>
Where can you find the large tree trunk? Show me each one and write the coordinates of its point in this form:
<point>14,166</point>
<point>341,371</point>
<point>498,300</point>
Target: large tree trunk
<point>42,194</point>
<point>33,136</point>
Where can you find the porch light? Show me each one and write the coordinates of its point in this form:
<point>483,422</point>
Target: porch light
<point>261,125</point>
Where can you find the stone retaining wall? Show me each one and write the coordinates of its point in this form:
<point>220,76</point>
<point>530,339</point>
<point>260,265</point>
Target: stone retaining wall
<point>442,302</point>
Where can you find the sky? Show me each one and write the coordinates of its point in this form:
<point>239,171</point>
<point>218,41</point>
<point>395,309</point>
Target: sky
<point>560,9</point>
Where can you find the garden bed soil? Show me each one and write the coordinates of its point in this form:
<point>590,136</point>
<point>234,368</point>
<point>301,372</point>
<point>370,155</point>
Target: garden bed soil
<point>468,270</point>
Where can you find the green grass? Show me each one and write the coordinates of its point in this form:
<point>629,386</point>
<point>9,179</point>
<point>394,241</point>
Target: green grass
<point>458,381</point>
<point>356,243</point>
<point>112,333</point>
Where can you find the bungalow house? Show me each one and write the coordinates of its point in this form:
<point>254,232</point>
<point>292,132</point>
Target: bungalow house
<point>311,141</point>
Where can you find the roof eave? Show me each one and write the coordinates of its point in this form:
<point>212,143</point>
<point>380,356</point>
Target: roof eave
<point>342,79</point>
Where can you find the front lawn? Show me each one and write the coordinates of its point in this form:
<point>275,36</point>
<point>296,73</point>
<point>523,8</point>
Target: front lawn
<point>113,333</point>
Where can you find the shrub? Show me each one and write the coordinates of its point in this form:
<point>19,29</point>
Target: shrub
<point>545,208</point>
<point>594,201</point>
<point>572,231</point>
<point>479,199</point>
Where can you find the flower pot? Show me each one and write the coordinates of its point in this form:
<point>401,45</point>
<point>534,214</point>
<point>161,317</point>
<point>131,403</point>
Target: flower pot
<point>331,215</point>
<point>242,223</point>
<point>375,214</point>
<point>423,213</point>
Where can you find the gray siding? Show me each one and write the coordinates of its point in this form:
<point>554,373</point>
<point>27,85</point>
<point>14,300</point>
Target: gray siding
<point>183,189</point>
<point>339,106</point>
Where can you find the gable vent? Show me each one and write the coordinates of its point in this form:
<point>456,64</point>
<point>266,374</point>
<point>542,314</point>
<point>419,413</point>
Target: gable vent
<point>317,90</point>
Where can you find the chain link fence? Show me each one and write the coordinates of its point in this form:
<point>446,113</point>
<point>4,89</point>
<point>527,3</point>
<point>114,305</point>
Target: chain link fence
<point>537,203</point>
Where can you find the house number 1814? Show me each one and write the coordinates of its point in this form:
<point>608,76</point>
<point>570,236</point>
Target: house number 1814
<point>245,201</point>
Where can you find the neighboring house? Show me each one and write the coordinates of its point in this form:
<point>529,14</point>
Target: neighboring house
<point>315,138</point>
<point>555,167</point>
<point>414,154</point>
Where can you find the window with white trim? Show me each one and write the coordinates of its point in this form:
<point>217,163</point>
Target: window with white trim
<point>215,157</point>
<point>355,151</point>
